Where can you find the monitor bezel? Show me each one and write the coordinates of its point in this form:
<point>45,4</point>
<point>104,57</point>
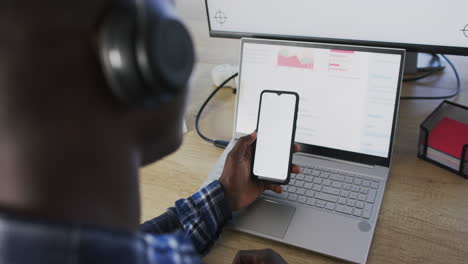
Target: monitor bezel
<point>324,151</point>
<point>409,47</point>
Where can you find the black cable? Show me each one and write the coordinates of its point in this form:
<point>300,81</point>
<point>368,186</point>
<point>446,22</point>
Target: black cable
<point>457,91</point>
<point>217,143</point>
<point>421,76</point>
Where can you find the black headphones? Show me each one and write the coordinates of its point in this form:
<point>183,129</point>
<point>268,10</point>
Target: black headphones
<point>146,52</point>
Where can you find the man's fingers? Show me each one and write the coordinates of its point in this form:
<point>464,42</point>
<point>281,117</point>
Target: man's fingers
<point>296,169</point>
<point>297,148</point>
<point>249,139</point>
<point>243,144</point>
<point>273,187</point>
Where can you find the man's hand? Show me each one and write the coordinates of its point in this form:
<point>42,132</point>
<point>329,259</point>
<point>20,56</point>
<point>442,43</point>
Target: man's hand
<point>265,256</point>
<point>241,189</point>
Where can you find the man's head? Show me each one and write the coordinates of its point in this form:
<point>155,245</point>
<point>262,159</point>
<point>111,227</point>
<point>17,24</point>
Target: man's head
<point>54,95</point>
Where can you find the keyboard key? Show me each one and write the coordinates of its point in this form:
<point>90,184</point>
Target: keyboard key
<point>291,182</point>
<point>353,195</point>
<point>361,197</point>
<point>300,177</point>
<point>311,201</point>
<point>293,175</point>
<point>318,180</point>
<point>330,206</point>
<point>365,183</point>
<point>307,171</point>
<point>326,197</point>
<point>346,187</point>
<point>337,184</point>
<point>317,187</point>
<point>308,185</point>
<point>327,182</point>
<point>349,179</point>
<point>292,197</point>
<point>310,193</point>
<point>316,173</point>
<point>342,200</point>
<point>364,190</point>
<point>371,196</point>
<point>337,177</point>
<point>348,210</point>
<point>344,193</point>
<point>320,203</point>
<point>374,185</point>
<point>292,189</point>
<point>308,178</point>
<point>351,202</point>
<point>357,212</point>
<point>366,213</point>
<point>324,175</point>
<point>302,199</point>
<point>326,169</point>
<point>359,204</point>
<point>357,181</point>
<point>300,191</point>
<point>340,208</point>
<point>331,190</point>
<point>365,178</point>
<point>299,184</point>
<point>355,188</point>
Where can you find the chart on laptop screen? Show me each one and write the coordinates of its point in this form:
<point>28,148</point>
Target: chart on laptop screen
<point>347,98</point>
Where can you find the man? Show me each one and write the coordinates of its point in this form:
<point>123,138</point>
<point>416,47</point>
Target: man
<point>70,154</point>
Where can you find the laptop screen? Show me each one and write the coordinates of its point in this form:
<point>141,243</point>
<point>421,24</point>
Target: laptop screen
<point>348,95</point>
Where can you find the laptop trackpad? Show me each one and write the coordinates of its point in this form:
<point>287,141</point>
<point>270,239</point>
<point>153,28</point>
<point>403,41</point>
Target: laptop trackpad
<point>266,217</point>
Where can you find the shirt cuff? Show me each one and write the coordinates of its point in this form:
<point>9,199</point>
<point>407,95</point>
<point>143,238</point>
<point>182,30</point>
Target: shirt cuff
<point>223,202</point>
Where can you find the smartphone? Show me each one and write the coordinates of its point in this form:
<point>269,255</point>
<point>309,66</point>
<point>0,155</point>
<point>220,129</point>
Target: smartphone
<point>276,130</point>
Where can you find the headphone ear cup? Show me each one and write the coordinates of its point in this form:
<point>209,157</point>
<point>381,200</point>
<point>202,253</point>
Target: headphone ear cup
<point>116,48</point>
<point>164,49</point>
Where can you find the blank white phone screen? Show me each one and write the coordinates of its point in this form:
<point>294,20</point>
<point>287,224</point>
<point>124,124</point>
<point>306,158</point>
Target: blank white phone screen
<point>274,135</point>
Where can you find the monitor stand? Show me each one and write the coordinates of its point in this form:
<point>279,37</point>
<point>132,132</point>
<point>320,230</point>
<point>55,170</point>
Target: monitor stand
<point>416,60</point>
<point>411,63</point>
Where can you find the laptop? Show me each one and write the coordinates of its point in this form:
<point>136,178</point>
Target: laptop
<point>349,98</point>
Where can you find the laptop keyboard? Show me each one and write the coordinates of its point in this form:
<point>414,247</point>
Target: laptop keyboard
<point>332,190</point>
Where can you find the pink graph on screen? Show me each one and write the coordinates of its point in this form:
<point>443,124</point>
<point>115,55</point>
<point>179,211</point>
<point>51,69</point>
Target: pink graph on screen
<point>303,60</point>
<point>343,51</point>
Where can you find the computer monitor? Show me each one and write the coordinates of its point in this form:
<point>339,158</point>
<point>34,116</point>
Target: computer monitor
<point>416,25</point>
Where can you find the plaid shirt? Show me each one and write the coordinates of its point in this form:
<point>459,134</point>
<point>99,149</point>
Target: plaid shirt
<point>181,235</point>
<point>201,217</point>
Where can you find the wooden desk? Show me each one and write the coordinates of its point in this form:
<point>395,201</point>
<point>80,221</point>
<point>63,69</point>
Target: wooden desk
<point>424,216</point>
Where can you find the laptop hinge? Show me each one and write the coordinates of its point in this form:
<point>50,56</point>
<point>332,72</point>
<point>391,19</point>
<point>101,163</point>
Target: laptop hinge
<point>336,160</point>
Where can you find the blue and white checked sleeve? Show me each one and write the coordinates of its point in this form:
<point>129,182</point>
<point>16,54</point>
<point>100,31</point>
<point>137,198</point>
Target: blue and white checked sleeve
<point>202,216</point>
